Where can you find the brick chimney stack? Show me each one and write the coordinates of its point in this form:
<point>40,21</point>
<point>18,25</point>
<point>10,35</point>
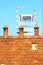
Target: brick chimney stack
<point>21,32</point>
<point>36,30</point>
<point>5,28</point>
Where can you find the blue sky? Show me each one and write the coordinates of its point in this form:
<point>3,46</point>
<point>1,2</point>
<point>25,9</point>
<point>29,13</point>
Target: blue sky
<point>8,13</point>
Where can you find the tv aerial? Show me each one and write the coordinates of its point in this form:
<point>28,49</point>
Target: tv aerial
<point>17,16</point>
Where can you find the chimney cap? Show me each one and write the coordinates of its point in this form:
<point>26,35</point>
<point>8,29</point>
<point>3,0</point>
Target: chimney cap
<point>36,26</point>
<point>5,27</point>
<point>21,27</point>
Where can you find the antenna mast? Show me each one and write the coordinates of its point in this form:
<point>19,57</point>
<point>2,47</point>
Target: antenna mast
<point>34,15</point>
<point>16,7</point>
<point>17,17</point>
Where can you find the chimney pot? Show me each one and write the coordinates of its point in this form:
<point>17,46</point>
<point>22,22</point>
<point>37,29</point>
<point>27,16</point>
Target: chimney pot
<point>21,32</point>
<point>36,30</point>
<point>5,28</point>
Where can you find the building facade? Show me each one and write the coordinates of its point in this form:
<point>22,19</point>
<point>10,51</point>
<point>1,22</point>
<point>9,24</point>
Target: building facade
<point>21,49</point>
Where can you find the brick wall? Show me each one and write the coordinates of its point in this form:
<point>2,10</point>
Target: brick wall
<point>17,51</point>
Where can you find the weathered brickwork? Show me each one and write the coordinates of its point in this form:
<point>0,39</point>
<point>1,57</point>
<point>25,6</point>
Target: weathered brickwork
<point>17,50</point>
